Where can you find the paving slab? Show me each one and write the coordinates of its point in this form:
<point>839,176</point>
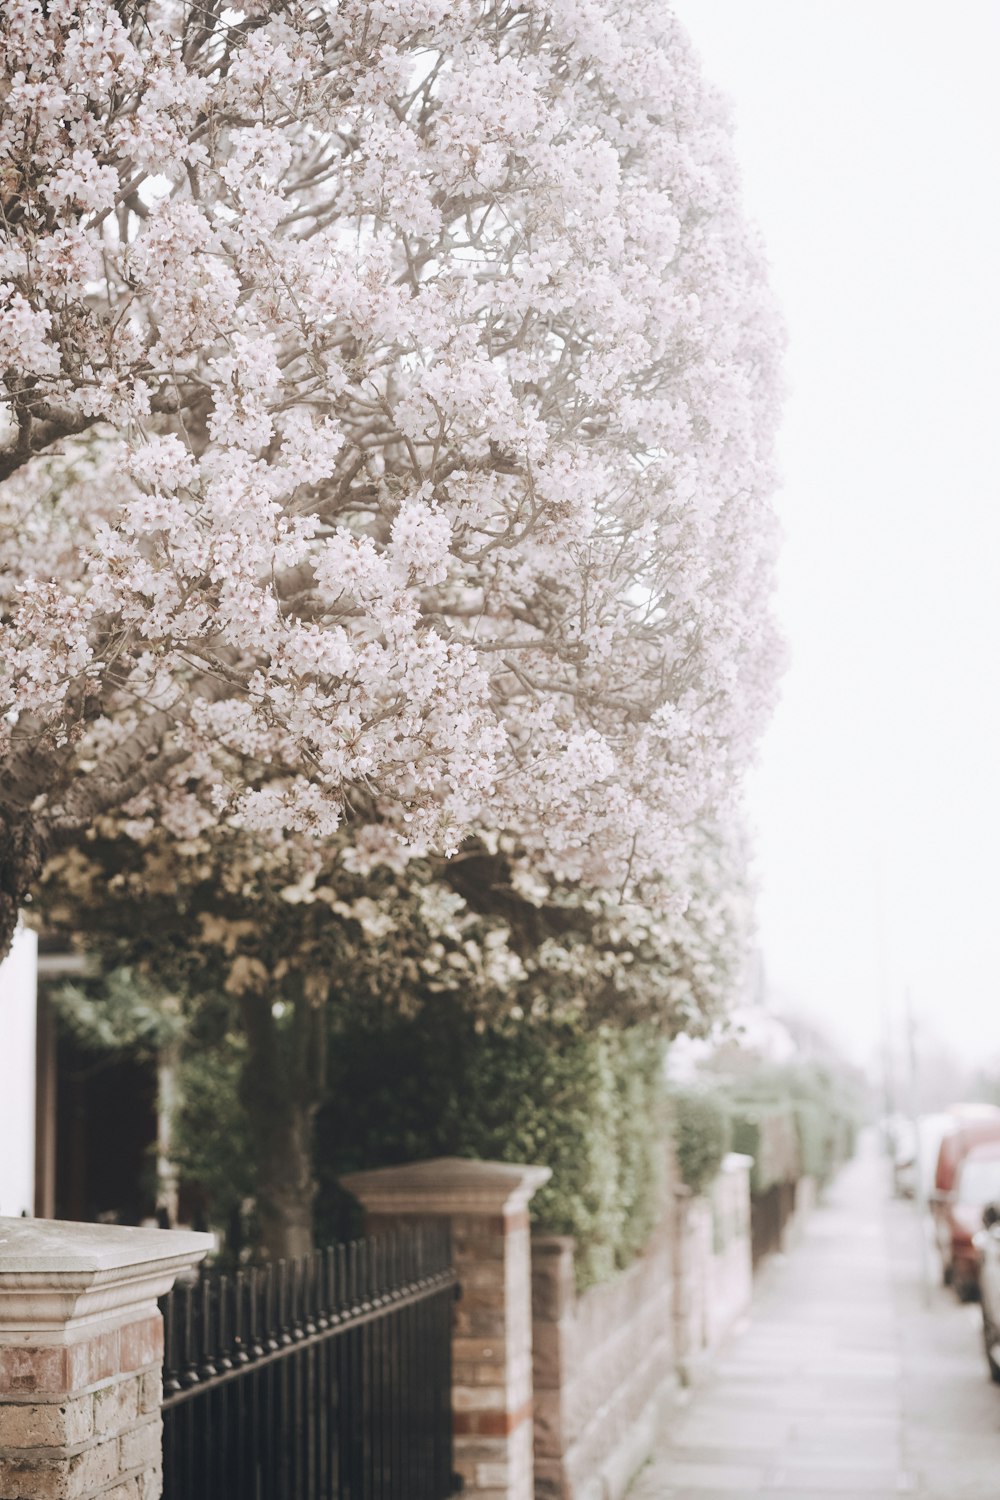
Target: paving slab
<point>856,1377</point>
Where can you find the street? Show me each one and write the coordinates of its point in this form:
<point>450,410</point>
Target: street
<point>852,1380</point>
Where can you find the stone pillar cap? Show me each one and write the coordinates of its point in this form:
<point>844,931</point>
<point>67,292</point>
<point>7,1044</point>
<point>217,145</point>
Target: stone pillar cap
<point>55,1274</point>
<point>735,1161</point>
<point>447,1185</point>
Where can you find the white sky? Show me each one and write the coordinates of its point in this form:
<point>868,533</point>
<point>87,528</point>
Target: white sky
<point>868,134</point>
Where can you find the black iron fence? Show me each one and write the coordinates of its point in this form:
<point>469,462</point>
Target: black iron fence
<point>326,1378</point>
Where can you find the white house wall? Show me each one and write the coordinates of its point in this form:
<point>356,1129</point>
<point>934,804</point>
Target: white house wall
<point>17,1076</point>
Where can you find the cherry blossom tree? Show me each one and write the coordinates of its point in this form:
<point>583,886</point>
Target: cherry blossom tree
<point>389,392</point>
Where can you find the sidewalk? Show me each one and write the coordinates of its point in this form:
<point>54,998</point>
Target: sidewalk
<point>846,1384</point>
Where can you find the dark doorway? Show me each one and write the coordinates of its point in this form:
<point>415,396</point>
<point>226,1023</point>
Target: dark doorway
<point>105,1135</point>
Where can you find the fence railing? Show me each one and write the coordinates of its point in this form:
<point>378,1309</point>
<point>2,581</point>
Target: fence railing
<point>325,1378</point>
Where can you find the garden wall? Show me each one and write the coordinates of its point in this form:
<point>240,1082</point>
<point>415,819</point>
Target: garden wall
<point>603,1366</point>
<point>713,1271</point>
<point>608,1360</point>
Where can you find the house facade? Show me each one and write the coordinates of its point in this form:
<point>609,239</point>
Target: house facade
<point>18,1084</point>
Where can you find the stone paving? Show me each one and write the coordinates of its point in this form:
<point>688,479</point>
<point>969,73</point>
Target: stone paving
<point>854,1379</point>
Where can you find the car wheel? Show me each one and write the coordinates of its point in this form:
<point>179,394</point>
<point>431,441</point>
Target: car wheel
<point>990,1343</point>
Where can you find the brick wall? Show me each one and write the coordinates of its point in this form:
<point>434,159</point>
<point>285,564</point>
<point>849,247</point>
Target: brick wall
<point>81,1349</point>
<point>604,1368</point>
<point>83,1419</point>
<point>608,1361</point>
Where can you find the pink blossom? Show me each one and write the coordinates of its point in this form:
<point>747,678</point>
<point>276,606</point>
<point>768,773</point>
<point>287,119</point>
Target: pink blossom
<point>390,393</point>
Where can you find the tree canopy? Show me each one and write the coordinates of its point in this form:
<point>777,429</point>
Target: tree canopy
<point>389,391</point>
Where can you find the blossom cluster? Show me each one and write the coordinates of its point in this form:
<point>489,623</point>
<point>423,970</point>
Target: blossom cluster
<point>390,389</point>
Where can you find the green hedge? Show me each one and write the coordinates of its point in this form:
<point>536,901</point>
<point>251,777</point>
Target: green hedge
<point>702,1136</point>
<point>817,1139</point>
<point>211,1139</point>
<point>794,1119</point>
<point>588,1105</point>
<point>768,1133</point>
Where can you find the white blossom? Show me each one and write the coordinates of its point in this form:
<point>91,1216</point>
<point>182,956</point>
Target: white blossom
<point>390,393</point>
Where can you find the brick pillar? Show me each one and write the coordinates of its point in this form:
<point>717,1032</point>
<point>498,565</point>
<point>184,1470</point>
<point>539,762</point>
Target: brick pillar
<point>486,1204</point>
<point>554,1303</point>
<point>81,1346</point>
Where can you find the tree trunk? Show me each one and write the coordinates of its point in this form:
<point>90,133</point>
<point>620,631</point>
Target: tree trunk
<point>286,1189</point>
<point>281,1100</point>
<point>22,854</point>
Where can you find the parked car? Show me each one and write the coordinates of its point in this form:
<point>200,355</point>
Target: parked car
<point>977,1182</point>
<point>987,1242</point>
<point>954,1221</point>
<point>931,1131</point>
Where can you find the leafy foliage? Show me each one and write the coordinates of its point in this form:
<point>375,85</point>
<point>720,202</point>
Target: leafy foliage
<point>795,1119</point>
<point>767,1132</point>
<point>291,944</point>
<point>211,1144</point>
<point>702,1135</point>
<point>228,913</point>
<point>120,1011</point>
<point>588,1105</point>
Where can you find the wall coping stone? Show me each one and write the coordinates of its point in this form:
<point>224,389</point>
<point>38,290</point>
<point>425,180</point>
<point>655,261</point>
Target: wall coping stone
<point>56,1277</point>
<point>447,1185</point>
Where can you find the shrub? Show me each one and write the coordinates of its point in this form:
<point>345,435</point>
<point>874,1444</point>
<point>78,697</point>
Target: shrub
<point>767,1132</point>
<point>817,1136</point>
<point>211,1136</point>
<point>702,1135</point>
<point>794,1119</point>
<point>587,1104</point>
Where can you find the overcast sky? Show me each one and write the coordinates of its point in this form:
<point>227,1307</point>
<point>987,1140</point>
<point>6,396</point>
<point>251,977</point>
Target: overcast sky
<point>868,131</point>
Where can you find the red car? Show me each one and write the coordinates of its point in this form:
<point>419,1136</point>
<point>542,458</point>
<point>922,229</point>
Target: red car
<point>967,1178</point>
